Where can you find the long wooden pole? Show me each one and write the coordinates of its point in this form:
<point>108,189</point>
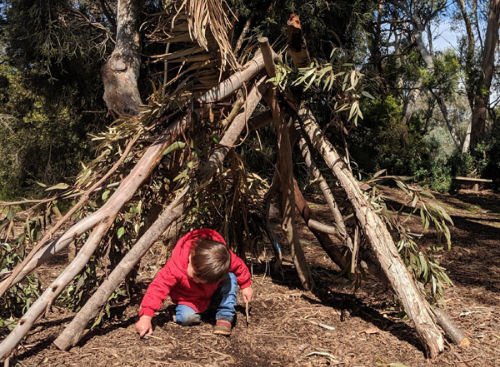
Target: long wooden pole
<point>286,174</point>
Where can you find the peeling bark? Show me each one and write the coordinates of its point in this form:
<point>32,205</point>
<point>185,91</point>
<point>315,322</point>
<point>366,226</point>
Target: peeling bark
<point>297,45</point>
<point>286,174</point>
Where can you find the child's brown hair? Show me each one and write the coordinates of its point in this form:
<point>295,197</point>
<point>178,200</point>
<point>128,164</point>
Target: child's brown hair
<point>210,259</point>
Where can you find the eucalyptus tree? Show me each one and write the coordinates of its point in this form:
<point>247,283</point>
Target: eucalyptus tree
<point>481,19</point>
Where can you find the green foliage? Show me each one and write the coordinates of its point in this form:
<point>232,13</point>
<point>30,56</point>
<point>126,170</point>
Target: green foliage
<point>334,84</point>
<point>339,22</point>
<point>483,161</point>
<point>49,74</point>
<point>18,298</point>
<point>440,176</point>
<point>39,141</point>
<point>445,75</point>
<point>421,262</point>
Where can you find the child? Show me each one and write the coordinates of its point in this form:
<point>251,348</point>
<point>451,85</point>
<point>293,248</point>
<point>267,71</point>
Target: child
<point>201,273</point>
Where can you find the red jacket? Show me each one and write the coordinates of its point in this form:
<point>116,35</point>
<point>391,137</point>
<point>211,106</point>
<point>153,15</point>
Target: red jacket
<point>173,280</point>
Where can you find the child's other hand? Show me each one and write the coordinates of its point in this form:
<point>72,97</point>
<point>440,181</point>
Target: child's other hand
<point>247,294</point>
<point>143,326</point>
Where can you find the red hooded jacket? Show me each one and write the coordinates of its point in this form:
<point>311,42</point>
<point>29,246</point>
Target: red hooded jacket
<point>173,280</point>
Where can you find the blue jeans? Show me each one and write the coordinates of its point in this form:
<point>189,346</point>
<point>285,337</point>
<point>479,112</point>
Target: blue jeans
<point>223,301</point>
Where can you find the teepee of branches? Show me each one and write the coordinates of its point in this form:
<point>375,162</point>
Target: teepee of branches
<point>195,94</point>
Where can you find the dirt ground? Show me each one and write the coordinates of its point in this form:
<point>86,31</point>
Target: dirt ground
<point>333,325</point>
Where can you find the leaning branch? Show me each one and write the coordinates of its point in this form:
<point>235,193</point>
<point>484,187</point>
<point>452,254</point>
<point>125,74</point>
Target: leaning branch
<point>286,174</point>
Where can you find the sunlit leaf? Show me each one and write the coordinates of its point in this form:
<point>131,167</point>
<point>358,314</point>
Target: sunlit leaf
<point>120,232</point>
<point>59,186</point>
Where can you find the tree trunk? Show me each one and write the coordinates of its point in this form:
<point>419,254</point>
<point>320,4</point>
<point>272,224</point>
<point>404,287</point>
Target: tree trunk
<point>469,58</point>
<point>380,240</point>
<point>411,101</point>
<point>478,125</point>
<point>121,71</point>
<point>416,36</point>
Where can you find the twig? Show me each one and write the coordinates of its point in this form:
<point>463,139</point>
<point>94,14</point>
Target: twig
<point>146,337</point>
<point>247,313</point>
<point>326,354</point>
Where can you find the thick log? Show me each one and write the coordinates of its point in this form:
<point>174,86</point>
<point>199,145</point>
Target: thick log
<point>74,331</point>
<point>235,81</point>
<point>286,176</point>
<point>235,130</point>
<point>380,240</point>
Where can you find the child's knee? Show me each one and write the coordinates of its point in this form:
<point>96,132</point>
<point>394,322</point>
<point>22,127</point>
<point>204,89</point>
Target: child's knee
<point>188,320</point>
<point>186,316</point>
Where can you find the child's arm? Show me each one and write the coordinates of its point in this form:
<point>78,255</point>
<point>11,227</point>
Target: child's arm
<point>242,273</point>
<point>157,292</point>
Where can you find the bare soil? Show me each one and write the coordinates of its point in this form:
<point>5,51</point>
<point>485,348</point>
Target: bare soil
<point>333,325</point>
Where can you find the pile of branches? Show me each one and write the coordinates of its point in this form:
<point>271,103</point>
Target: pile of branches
<point>161,166</point>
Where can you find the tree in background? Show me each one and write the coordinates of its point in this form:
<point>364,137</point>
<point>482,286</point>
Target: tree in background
<point>51,56</point>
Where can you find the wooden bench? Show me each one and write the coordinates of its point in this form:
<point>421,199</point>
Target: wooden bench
<point>473,183</point>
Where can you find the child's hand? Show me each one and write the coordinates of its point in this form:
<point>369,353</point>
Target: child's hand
<point>143,326</point>
<point>247,294</point>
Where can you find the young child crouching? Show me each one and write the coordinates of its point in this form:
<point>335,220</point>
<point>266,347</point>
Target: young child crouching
<point>202,274</point>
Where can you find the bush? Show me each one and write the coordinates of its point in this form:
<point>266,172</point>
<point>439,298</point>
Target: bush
<point>441,178</point>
